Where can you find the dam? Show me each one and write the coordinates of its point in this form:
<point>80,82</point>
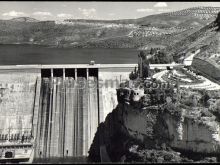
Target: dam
<point>57,107</point>
<point>51,106</point>
<point>52,109</point>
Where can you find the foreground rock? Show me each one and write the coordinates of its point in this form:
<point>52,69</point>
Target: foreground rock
<point>167,132</point>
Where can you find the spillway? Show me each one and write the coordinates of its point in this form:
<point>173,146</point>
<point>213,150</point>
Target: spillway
<point>57,109</point>
<point>67,117</point>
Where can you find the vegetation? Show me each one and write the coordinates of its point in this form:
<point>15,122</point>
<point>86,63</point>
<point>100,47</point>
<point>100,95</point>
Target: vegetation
<point>159,56</point>
<point>217,21</point>
<point>134,74</point>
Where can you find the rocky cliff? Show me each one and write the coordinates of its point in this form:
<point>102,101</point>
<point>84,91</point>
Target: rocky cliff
<point>169,132</point>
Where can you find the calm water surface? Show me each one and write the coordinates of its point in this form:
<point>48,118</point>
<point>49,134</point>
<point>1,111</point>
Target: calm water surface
<point>34,54</point>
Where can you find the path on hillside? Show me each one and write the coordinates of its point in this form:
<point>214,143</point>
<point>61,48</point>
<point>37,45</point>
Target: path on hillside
<point>159,75</point>
<point>188,60</point>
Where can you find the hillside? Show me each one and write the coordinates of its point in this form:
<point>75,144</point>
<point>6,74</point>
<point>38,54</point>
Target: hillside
<point>159,30</point>
<point>196,40</point>
<point>24,19</point>
<point>206,40</point>
<point>198,12</point>
<point>195,15</point>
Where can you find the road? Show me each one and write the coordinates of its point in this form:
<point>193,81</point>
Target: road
<point>188,61</point>
<point>206,84</point>
<point>159,75</point>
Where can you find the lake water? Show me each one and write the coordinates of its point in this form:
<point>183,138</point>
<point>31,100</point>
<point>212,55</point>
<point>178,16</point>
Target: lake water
<point>35,54</point>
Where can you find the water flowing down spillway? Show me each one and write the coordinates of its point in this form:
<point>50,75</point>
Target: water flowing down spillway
<point>67,118</point>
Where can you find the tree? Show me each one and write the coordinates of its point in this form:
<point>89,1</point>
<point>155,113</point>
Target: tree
<point>194,101</point>
<point>133,75</point>
<point>142,54</point>
<point>204,99</point>
<point>144,64</point>
<point>151,51</point>
<point>217,21</point>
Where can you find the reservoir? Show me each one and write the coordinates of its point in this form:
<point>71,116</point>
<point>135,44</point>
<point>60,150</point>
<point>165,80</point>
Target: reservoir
<point>35,54</point>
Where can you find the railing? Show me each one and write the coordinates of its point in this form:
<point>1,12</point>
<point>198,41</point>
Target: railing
<point>11,138</point>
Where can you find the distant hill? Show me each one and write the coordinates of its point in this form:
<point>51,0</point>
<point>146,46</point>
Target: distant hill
<point>199,14</point>
<point>160,30</point>
<point>24,19</point>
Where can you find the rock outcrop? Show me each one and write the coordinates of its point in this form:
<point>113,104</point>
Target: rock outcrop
<point>168,132</point>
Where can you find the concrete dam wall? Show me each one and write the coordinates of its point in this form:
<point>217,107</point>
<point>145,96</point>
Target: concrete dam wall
<point>17,97</point>
<point>59,112</point>
<point>68,117</point>
<point>107,93</point>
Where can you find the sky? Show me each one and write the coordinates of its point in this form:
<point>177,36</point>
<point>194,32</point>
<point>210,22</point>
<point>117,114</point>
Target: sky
<point>59,10</point>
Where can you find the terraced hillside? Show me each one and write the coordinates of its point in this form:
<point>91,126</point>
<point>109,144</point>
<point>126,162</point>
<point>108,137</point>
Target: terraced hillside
<point>155,30</point>
<point>182,18</point>
<point>169,19</point>
<point>199,12</point>
<point>196,40</point>
<point>159,30</point>
<point>206,40</point>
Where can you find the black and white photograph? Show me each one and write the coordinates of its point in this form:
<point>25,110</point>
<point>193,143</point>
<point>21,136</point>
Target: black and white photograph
<point>109,82</point>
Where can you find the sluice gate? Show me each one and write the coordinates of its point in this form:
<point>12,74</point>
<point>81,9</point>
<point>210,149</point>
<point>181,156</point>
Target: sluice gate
<point>68,114</point>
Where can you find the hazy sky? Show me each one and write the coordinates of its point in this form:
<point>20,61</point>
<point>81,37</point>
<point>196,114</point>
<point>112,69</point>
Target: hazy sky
<point>91,10</point>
